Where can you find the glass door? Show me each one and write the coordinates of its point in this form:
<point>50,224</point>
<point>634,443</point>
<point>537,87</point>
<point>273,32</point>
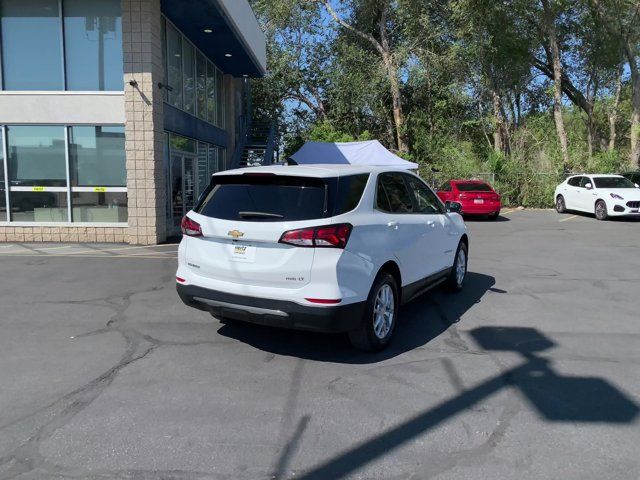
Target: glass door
<point>183,189</point>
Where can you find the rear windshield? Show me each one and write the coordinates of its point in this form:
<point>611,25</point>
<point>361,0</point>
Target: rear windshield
<point>473,187</point>
<point>278,198</point>
<point>613,182</point>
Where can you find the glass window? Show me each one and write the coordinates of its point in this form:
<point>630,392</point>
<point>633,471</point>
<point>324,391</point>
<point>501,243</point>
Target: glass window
<point>446,187</point>
<point>183,144</point>
<point>398,198</point>
<point>3,196</point>
<point>97,156</point>
<point>613,182</point>
<point>214,163</point>
<point>264,199</point>
<point>584,181</point>
<point>350,190</point>
<point>188,66</point>
<point>426,200</point>
<point>31,45</point>
<point>36,156</point>
<point>574,181</point>
<point>201,73</point>
<point>174,66</point>
<point>211,92</point>
<point>39,207</point>
<point>473,187</point>
<point>99,207</point>
<point>93,44</point>
<point>203,168</point>
<point>219,101</point>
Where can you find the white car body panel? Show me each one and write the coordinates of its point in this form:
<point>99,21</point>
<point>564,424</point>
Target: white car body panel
<point>420,245</point>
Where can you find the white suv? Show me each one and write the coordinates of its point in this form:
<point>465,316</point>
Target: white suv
<point>333,248</point>
<point>603,195</point>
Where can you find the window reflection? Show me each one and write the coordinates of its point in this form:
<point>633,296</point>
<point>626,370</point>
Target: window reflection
<point>31,45</point>
<point>97,156</point>
<point>93,44</point>
<point>174,66</point>
<point>101,207</point>
<point>39,207</point>
<point>36,156</point>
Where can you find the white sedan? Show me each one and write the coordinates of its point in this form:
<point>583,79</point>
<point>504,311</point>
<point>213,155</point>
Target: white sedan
<point>603,195</point>
<point>325,248</point>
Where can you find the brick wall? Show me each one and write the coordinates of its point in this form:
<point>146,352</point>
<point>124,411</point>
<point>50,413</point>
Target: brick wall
<point>64,234</point>
<point>146,184</point>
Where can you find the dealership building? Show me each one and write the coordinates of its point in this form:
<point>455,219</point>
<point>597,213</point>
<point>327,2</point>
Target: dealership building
<point>114,113</point>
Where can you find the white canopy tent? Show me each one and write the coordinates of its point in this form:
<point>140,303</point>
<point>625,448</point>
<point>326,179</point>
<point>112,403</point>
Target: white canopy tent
<point>355,153</point>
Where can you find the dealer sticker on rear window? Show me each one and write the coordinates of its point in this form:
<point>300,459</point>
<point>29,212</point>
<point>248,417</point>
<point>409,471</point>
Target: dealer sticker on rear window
<point>242,253</point>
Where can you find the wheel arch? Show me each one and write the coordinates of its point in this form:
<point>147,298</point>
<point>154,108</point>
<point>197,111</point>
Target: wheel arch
<point>393,269</point>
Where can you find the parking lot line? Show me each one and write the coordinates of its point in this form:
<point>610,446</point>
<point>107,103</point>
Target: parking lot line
<point>569,218</point>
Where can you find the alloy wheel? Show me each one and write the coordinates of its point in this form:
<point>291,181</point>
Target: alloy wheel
<point>383,311</point>
<point>461,266</point>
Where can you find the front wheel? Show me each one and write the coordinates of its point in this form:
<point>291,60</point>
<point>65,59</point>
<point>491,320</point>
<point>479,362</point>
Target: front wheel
<point>601,210</point>
<point>458,273</point>
<point>380,316</point>
<point>561,206</point>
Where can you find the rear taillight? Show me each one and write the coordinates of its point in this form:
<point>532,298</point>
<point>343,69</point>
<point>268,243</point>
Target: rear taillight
<point>190,227</point>
<point>327,236</point>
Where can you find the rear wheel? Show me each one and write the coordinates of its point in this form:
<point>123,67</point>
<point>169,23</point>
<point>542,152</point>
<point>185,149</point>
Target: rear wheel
<point>380,316</point>
<point>458,273</point>
<point>493,216</point>
<point>561,207</point>
<point>601,210</point>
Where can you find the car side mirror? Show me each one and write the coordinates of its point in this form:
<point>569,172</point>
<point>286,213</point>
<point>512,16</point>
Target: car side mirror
<point>453,207</point>
<point>588,186</point>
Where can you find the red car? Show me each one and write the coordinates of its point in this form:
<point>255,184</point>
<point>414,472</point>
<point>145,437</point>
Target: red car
<point>475,196</point>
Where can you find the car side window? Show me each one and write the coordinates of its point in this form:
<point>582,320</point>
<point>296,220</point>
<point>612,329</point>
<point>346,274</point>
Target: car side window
<point>426,201</point>
<point>446,187</point>
<point>584,181</point>
<point>574,182</point>
<point>392,195</point>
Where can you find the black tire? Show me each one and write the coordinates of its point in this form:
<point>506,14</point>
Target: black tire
<point>366,338</point>
<point>454,283</point>
<point>601,210</point>
<point>561,206</point>
<point>493,216</point>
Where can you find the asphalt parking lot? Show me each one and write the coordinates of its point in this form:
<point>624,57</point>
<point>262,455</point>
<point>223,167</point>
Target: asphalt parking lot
<point>531,372</point>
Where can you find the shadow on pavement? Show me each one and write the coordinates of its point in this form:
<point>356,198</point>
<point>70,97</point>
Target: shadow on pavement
<point>555,397</point>
<point>421,321</point>
<point>484,219</point>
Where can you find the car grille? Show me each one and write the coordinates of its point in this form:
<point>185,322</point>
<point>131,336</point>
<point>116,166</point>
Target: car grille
<point>633,204</point>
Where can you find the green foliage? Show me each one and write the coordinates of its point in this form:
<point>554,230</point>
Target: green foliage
<point>326,132</point>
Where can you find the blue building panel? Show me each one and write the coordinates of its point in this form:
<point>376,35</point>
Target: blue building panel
<point>181,123</point>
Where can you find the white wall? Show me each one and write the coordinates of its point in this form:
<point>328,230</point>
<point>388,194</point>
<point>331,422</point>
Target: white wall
<point>97,108</point>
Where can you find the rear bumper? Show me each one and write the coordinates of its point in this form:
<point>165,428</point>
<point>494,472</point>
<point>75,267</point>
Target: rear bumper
<point>480,209</point>
<point>274,313</point>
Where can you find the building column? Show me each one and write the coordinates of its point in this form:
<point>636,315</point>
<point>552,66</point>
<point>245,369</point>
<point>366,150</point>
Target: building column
<point>143,71</point>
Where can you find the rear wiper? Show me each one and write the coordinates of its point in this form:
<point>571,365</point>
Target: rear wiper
<point>259,215</point>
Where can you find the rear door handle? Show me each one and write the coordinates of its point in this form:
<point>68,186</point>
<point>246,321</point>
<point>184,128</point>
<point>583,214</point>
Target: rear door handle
<point>393,224</point>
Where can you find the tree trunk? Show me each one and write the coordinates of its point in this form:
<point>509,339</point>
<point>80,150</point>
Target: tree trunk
<point>613,113</point>
<point>557,82</point>
<point>396,98</point>
<point>498,137</point>
<point>634,155</point>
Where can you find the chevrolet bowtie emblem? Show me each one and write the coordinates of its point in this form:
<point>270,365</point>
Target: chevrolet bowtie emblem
<point>235,233</point>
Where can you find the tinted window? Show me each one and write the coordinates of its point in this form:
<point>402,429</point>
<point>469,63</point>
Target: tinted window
<point>31,45</point>
<point>97,156</point>
<point>446,187</point>
<point>268,198</point>
<point>350,190</point>
<point>613,182</point>
<point>574,181</point>
<point>584,181</point>
<point>473,187</point>
<point>36,156</point>
<point>426,200</point>
<point>188,64</point>
<point>174,66</point>
<point>93,44</point>
<point>398,198</point>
